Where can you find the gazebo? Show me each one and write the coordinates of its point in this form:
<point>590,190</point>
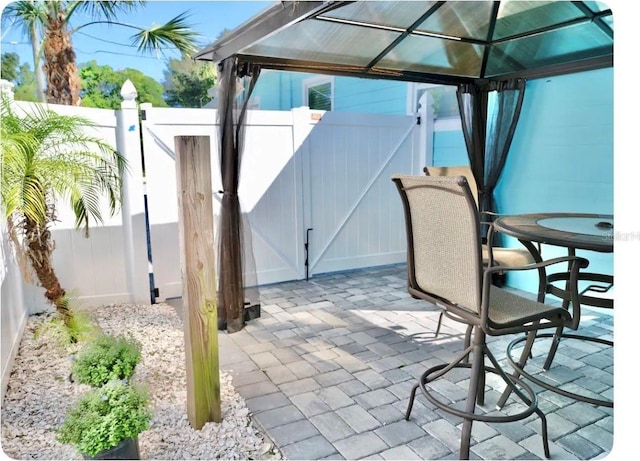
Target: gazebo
<point>484,48</point>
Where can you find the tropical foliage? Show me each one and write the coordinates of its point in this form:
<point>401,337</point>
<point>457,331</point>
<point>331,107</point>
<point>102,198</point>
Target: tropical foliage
<point>48,24</point>
<point>101,86</point>
<point>47,157</point>
<point>20,75</point>
<point>186,82</point>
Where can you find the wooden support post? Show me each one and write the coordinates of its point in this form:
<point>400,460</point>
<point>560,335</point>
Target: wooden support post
<point>195,222</point>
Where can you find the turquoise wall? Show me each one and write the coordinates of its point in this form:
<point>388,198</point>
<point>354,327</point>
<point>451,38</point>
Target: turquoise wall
<point>283,91</point>
<point>561,158</point>
<point>449,149</point>
<point>370,96</point>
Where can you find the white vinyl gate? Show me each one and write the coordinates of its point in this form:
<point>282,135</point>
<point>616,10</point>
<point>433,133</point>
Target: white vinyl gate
<point>301,169</point>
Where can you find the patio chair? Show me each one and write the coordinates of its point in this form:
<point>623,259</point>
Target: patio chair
<point>444,267</point>
<point>510,257</point>
<point>499,256</point>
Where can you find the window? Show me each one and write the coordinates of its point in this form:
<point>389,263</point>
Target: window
<point>318,93</point>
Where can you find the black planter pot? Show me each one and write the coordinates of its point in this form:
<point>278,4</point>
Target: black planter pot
<point>127,449</point>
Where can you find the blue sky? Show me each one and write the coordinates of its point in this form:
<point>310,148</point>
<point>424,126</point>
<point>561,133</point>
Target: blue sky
<point>110,45</point>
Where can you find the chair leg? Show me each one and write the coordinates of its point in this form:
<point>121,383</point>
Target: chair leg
<point>477,380</point>
<point>512,385</point>
<point>478,368</point>
<point>526,353</point>
<point>554,347</point>
<point>467,341</point>
<point>411,399</point>
<point>439,323</point>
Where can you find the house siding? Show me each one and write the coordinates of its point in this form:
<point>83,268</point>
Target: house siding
<point>283,91</point>
<point>449,149</point>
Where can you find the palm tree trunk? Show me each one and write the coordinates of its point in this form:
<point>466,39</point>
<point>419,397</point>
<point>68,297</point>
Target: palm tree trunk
<point>61,71</point>
<point>35,45</point>
<point>39,250</point>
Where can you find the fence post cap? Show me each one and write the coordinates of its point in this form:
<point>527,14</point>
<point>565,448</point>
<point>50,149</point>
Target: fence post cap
<point>128,91</point>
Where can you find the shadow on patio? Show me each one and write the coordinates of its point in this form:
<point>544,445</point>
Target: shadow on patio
<point>328,368</point>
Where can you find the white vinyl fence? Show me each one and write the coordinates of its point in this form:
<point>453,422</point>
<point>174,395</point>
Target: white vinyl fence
<point>321,176</point>
<point>301,169</point>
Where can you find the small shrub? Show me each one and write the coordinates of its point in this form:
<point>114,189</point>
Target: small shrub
<point>81,329</point>
<point>106,358</point>
<point>106,416</point>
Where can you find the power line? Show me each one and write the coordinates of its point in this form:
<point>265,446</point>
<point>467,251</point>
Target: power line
<point>122,54</point>
<point>4,42</point>
<point>118,43</point>
<point>105,41</point>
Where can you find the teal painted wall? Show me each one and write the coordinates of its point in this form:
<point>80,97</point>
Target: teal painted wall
<point>283,91</point>
<point>449,149</point>
<point>370,96</point>
<point>561,158</point>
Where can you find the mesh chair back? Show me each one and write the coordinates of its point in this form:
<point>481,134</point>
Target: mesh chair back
<point>443,246</point>
<point>459,170</point>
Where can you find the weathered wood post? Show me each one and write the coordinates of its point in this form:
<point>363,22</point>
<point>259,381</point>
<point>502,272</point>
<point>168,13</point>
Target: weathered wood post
<point>195,223</point>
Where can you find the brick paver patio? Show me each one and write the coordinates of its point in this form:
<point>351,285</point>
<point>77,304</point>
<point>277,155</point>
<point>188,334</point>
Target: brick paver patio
<point>327,369</point>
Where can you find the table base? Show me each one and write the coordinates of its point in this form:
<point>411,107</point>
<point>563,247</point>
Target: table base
<point>521,371</point>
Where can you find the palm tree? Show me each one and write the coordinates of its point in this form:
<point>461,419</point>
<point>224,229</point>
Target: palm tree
<point>46,157</point>
<point>52,19</point>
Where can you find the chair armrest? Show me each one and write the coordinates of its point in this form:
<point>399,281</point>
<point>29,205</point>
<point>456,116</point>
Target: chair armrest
<point>572,287</point>
<point>582,264</point>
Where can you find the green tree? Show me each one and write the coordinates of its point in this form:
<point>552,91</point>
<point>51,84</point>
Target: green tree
<point>101,86</point>
<point>26,88</point>
<point>186,82</point>
<point>20,75</point>
<point>49,23</point>
<point>9,69</point>
<point>47,157</point>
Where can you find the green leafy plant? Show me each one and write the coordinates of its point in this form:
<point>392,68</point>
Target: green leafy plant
<point>81,328</point>
<point>106,416</point>
<point>106,358</point>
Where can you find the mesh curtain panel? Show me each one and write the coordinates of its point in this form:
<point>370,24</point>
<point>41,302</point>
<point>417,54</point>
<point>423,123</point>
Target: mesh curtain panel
<point>237,284</point>
<point>489,116</point>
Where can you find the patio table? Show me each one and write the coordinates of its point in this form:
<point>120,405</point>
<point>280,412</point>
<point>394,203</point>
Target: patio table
<point>574,231</point>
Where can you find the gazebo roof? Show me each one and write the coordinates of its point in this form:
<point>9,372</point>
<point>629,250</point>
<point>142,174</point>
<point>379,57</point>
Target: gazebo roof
<point>425,41</point>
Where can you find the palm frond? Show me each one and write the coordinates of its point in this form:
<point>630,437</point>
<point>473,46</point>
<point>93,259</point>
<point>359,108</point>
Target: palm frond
<point>24,14</point>
<point>105,10</point>
<point>176,32</point>
<point>46,156</point>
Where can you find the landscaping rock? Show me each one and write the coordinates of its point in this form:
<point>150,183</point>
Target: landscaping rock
<point>39,394</point>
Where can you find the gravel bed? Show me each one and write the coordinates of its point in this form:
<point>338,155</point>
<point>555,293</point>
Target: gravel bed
<point>39,392</point>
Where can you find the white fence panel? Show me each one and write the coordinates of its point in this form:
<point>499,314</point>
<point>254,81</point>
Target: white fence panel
<point>354,209</point>
<point>269,190</point>
<point>13,307</point>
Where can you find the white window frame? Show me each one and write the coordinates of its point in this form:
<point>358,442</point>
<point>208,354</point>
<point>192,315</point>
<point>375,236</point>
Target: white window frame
<point>315,81</point>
